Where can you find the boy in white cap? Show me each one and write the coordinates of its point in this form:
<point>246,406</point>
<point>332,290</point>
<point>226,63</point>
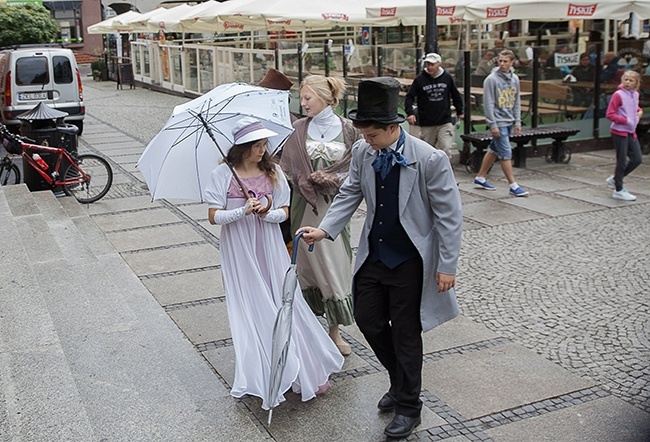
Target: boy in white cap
<point>433,92</point>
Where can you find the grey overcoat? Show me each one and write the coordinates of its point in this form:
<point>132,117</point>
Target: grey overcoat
<point>430,212</point>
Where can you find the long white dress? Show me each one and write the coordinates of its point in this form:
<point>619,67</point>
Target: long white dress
<point>254,262</point>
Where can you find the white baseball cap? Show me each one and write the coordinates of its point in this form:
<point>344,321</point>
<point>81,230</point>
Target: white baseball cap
<point>249,129</point>
<point>432,57</point>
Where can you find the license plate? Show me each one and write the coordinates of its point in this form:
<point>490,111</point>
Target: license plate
<point>32,96</point>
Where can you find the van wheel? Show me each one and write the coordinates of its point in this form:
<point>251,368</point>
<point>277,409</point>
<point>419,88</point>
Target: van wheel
<point>80,125</point>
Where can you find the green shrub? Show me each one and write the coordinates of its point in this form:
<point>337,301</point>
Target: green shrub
<point>98,65</point>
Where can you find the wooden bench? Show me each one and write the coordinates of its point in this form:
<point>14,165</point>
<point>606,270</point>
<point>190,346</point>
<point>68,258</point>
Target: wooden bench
<point>558,153</point>
<point>554,100</point>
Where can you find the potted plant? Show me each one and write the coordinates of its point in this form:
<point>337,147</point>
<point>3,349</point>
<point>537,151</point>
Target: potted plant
<point>99,69</point>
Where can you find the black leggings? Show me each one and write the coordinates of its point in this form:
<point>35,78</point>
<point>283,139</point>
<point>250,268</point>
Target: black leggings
<point>626,147</point>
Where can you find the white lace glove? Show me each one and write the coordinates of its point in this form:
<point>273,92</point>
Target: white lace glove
<point>228,216</point>
<point>275,216</point>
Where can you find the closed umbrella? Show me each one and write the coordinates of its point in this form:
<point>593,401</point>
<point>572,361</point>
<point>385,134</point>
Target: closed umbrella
<point>282,328</point>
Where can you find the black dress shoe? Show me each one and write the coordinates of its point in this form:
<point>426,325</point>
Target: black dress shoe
<point>386,403</point>
<point>401,426</point>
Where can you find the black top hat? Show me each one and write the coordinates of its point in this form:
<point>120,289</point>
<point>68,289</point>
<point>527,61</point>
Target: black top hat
<point>378,101</point>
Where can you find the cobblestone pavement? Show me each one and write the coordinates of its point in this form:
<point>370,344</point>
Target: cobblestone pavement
<point>566,278</point>
<point>574,289</point>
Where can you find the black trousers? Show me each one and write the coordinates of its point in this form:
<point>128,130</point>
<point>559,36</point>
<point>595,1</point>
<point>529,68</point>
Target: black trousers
<point>387,311</point>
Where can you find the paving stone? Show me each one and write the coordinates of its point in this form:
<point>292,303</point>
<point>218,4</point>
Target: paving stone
<point>157,236</point>
<point>130,220</point>
<point>203,323</point>
<point>606,419</point>
<point>173,259</point>
<point>551,205</point>
<point>494,213</point>
<point>186,287</point>
<point>468,382</point>
<point>122,204</point>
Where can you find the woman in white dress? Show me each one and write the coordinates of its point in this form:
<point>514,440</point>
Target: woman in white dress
<point>316,160</point>
<point>254,262</point>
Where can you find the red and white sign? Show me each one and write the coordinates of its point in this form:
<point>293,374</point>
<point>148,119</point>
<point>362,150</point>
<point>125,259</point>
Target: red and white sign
<point>387,12</point>
<point>581,10</point>
<point>498,12</point>
<point>231,25</point>
<point>445,11</point>
<point>335,16</point>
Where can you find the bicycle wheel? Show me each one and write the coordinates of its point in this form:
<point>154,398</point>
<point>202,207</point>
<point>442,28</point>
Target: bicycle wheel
<point>101,178</point>
<point>9,174</point>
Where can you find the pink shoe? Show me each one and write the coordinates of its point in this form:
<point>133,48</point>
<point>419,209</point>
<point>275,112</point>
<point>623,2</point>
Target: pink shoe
<point>323,388</point>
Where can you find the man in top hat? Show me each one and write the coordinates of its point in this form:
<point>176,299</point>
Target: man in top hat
<point>432,92</point>
<point>404,274</point>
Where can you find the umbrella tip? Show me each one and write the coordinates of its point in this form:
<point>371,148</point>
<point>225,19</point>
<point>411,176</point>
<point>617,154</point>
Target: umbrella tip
<point>270,416</point>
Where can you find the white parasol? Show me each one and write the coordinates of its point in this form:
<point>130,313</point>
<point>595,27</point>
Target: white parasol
<point>178,162</point>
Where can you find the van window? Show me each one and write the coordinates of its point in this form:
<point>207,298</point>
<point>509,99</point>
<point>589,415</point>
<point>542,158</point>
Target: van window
<point>62,70</point>
<point>32,70</point>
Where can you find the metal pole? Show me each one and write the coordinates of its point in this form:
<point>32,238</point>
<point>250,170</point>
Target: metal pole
<point>380,57</point>
<point>326,56</point>
<point>597,93</point>
<point>431,44</point>
<point>535,97</point>
<point>467,119</point>
<point>345,77</point>
<point>300,72</point>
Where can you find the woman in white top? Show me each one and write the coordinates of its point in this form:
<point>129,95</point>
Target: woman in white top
<point>316,160</point>
<point>254,261</point>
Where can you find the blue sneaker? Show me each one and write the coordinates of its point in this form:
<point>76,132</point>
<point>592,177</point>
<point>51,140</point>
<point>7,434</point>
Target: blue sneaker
<point>518,192</point>
<point>483,185</point>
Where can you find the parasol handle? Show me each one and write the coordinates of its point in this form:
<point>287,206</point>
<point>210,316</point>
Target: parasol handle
<point>245,191</point>
<point>294,251</point>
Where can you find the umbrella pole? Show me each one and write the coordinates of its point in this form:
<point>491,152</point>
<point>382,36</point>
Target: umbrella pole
<point>243,188</point>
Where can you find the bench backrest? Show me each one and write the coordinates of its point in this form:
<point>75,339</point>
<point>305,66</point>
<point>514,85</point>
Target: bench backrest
<point>548,91</point>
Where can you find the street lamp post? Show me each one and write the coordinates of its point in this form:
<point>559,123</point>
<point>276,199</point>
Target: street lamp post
<point>431,40</point>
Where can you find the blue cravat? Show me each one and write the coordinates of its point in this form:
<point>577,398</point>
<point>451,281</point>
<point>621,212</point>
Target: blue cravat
<point>385,160</point>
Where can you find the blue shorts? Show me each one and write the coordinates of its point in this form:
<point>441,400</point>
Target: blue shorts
<point>501,146</point>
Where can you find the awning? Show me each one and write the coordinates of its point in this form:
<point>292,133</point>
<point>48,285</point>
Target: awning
<point>62,5</point>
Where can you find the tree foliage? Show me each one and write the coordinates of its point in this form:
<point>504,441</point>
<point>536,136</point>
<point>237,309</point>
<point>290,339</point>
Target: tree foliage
<point>26,24</point>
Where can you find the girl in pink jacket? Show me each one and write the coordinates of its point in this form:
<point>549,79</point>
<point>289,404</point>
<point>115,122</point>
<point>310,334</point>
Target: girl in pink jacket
<point>624,113</point>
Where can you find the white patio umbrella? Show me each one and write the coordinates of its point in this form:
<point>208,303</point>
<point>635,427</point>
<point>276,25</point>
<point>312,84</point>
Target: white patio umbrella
<point>114,24</point>
<point>174,22</point>
<point>497,11</point>
<point>284,14</point>
<point>168,19</point>
<point>413,12</point>
<point>213,18</point>
<point>141,23</point>
<point>324,14</point>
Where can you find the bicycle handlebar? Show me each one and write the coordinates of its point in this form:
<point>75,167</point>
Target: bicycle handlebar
<point>6,133</point>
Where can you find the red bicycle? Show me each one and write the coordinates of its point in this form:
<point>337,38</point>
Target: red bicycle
<point>86,176</point>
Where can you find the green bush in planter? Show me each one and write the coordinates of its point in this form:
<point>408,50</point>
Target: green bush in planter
<point>98,65</point>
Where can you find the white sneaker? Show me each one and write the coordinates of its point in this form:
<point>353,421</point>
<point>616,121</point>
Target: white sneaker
<point>623,195</point>
<point>610,182</point>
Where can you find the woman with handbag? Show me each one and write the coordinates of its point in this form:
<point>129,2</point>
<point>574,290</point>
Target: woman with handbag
<point>316,160</point>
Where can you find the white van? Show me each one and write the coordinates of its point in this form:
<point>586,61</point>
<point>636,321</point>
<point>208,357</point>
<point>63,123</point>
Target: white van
<point>30,75</point>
